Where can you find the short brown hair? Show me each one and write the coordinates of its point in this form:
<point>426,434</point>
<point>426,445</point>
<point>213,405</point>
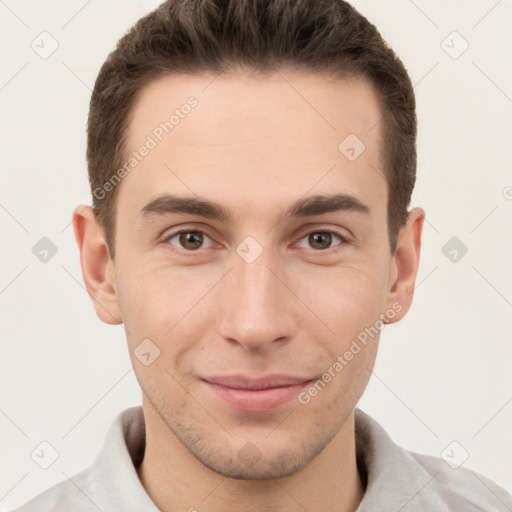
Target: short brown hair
<point>193,36</point>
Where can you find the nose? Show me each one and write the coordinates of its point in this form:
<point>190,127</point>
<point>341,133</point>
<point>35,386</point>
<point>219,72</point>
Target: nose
<point>257,307</point>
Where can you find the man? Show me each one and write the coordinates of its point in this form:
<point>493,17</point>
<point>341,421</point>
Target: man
<point>251,164</point>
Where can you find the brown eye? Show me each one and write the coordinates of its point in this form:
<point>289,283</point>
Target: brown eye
<point>188,240</point>
<point>321,240</point>
<point>191,240</point>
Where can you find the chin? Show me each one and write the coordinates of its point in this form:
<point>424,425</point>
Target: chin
<point>263,459</point>
<point>261,467</point>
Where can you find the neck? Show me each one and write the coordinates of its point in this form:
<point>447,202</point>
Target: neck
<point>175,480</point>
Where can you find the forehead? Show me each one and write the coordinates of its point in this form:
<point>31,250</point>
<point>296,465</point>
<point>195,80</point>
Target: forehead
<point>262,138</point>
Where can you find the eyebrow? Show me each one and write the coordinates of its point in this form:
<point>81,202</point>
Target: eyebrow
<point>168,204</point>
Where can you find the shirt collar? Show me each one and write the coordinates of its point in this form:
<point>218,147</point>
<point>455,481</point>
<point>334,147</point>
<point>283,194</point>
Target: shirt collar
<point>114,482</point>
<point>395,479</point>
<point>392,476</point>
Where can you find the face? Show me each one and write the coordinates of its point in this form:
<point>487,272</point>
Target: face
<point>267,276</point>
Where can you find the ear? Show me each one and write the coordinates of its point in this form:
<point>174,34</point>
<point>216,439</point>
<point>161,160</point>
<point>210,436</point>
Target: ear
<point>97,266</point>
<point>404,267</point>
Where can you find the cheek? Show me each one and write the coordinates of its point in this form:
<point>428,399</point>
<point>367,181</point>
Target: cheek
<point>349,304</point>
<point>152,297</point>
<point>346,299</point>
<point>160,310</point>
<point>174,306</point>
<point>166,306</point>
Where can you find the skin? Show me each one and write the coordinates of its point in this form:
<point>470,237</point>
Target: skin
<point>254,145</point>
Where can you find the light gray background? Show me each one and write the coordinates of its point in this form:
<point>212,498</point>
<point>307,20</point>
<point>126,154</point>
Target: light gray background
<point>442,374</point>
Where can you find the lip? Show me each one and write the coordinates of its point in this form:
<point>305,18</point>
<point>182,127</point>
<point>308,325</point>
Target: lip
<point>261,394</point>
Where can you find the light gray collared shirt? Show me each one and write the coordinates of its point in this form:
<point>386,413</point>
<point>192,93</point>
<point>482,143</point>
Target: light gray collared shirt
<point>397,480</point>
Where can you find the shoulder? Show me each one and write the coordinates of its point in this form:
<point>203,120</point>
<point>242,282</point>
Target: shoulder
<point>70,494</point>
<point>401,479</point>
<point>462,486</point>
<point>111,482</point>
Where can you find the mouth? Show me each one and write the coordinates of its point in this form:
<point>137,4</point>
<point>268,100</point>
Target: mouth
<point>262,394</point>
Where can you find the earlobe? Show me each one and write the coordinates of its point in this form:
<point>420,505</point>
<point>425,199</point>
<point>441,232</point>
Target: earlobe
<point>405,265</point>
<point>97,267</point>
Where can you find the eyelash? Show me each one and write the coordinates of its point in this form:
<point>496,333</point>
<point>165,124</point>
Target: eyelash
<point>167,238</point>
